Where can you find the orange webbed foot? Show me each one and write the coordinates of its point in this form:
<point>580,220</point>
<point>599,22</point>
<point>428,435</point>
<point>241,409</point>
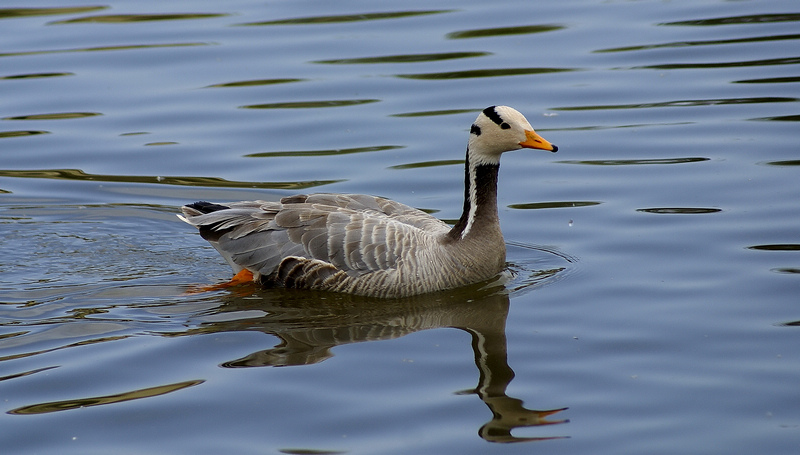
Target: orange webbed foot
<point>243,277</point>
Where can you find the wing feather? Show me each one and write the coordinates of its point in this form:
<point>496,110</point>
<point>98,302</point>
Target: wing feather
<point>355,234</point>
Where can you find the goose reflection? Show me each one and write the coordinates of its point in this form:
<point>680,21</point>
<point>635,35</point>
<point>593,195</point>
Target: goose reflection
<point>310,324</point>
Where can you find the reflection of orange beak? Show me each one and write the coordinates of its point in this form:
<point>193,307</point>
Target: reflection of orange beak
<point>534,141</point>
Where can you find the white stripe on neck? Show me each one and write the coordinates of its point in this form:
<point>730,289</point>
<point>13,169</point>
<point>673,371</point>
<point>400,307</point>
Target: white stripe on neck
<point>474,160</point>
<point>473,197</point>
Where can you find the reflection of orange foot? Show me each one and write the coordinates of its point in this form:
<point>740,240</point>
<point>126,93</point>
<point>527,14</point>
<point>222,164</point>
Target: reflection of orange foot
<point>543,414</point>
<point>243,277</point>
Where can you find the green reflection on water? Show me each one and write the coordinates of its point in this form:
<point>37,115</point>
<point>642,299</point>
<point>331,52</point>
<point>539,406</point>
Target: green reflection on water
<point>769,80</point>
<point>256,82</point>
<point>503,31</point>
<point>127,18</point>
<point>4,134</point>
<point>553,205</point>
<point>10,13</point>
<point>77,174</point>
<point>781,118</point>
<point>749,19</point>
<point>435,113</point>
<point>407,58</point>
<point>331,152</point>
<point>636,162</point>
<point>791,270</point>
<point>26,373</point>
<point>66,405</point>
<point>309,104</point>
<point>776,247</point>
<point>423,164</point>
<point>54,116</point>
<point>492,72</point>
<point>36,75</point>
<point>680,210</point>
<point>753,39</point>
<point>295,451</point>
<point>102,49</point>
<point>333,19</point>
<point>765,62</point>
<point>682,103</point>
<point>611,127</point>
<point>784,163</point>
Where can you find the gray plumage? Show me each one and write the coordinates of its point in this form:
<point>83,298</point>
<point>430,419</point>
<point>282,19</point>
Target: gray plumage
<point>368,245</point>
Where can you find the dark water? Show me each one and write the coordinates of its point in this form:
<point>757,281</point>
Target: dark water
<point>652,300</point>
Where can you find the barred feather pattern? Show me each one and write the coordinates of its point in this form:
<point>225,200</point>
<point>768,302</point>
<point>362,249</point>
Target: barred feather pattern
<point>350,243</point>
<point>373,246</point>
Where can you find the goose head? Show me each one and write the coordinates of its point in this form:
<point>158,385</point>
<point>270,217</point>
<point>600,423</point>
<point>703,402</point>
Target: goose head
<point>501,129</point>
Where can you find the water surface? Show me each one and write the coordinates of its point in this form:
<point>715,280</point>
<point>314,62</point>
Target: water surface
<point>654,261</point>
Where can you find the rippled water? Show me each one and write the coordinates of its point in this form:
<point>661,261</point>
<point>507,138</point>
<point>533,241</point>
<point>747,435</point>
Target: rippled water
<point>651,304</point>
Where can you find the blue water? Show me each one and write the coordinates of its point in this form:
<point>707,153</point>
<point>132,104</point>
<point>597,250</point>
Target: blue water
<point>651,304</point>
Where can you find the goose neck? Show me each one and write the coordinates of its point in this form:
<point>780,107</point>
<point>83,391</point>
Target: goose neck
<point>480,199</point>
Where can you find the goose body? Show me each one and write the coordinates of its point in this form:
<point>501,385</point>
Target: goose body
<point>372,246</point>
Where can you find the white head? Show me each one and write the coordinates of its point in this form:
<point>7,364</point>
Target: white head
<point>501,129</point>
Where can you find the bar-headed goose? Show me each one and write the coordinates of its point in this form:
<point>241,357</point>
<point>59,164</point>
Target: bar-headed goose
<point>368,245</point>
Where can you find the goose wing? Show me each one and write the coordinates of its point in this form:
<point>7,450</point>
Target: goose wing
<point>356,234</point>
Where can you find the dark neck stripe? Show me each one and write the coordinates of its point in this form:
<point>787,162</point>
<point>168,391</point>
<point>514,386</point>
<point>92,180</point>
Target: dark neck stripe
<point>485,196</point>
<point>461,224</point>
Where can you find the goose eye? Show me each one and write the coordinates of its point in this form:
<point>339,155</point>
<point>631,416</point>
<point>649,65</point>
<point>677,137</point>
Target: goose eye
<point>505,126</point>
<point>476,130</point>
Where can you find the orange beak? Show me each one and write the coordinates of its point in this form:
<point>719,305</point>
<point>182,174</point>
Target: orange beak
<point>534,141</point>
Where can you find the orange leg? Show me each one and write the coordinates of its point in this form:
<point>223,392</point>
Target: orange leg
<point>243,277</point>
